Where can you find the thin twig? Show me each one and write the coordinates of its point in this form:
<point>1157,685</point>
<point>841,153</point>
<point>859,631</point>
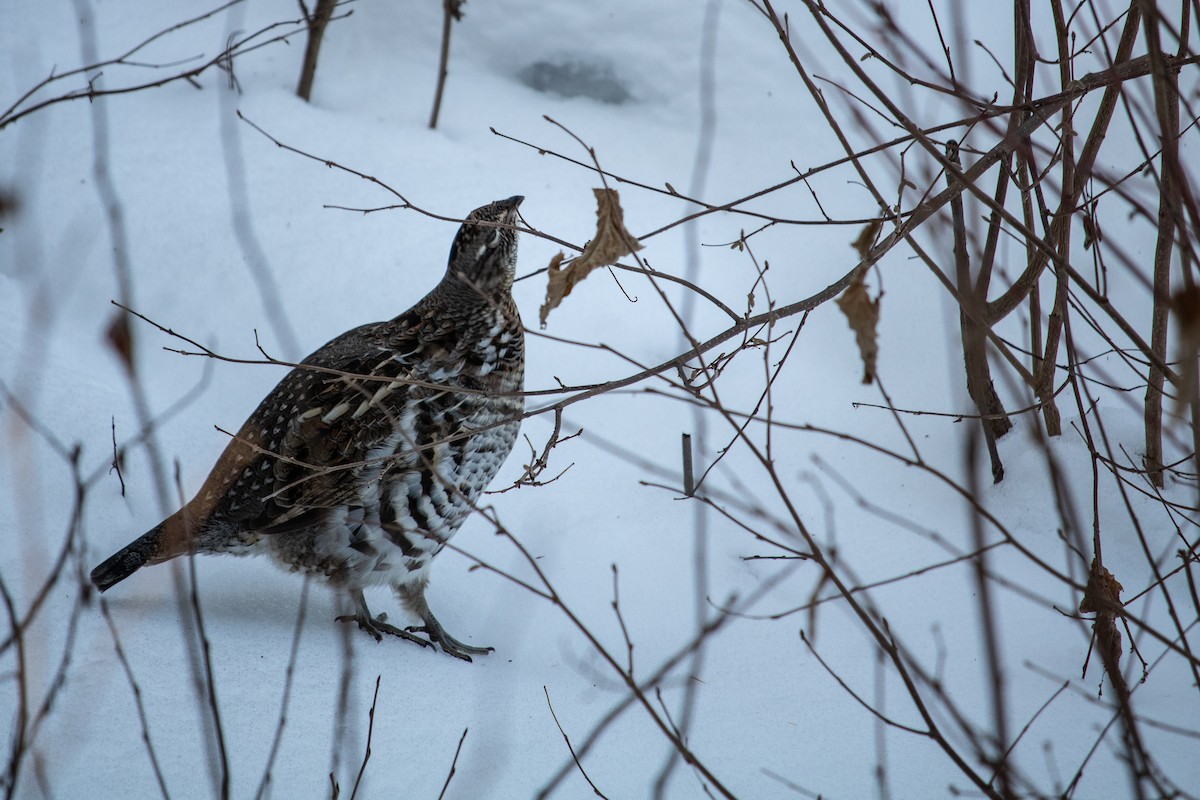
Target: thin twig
<point>567,739</point>
<point>453,765</point>
<point>370,732</point>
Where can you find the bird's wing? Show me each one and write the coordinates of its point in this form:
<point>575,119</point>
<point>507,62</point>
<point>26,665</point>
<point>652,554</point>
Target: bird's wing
<point>327,427</point>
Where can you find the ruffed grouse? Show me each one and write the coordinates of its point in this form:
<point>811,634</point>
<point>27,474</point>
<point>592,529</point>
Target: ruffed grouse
<point>363,462</point>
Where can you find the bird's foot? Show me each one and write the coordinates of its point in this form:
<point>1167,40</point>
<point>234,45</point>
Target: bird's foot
<point>449,644</point>
<point>377,626</point>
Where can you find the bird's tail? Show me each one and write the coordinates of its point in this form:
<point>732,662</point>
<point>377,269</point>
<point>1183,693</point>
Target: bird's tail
<point>161,543</point>
<point>128,559</point>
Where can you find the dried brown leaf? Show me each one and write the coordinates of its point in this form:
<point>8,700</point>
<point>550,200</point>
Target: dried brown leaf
<point>120,338</point>
<point>1103,592</point>
<point>611,243</point>
<point>863,315</point>
<point>557,286</point>
<point>1186,305</point>
<point>1108,638</point>
<point>867,237</point>
<point>1102,597</point>
<point>1092,233</point>
<point>8,203</point>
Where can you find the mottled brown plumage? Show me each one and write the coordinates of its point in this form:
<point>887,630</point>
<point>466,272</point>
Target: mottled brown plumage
<point>363,462</point>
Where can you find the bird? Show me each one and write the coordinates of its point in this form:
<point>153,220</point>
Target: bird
<point>366,458</point>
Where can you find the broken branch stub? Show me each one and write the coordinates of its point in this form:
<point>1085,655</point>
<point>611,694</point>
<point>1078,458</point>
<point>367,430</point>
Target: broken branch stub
<point>611,243</point>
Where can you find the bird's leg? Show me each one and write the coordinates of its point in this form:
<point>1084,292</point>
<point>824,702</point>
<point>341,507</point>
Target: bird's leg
<point>414,600</point>
<point>376,626</point>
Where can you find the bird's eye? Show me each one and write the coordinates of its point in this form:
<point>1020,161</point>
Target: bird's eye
<point>495,240</point>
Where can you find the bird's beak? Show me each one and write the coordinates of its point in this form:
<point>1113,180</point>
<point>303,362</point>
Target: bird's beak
<point>512,203</point>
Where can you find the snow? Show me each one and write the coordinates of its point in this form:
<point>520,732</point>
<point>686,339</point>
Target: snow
<point>765,705</point>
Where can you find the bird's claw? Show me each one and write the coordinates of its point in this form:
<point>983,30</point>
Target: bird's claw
<point>378,626</point>
<point>448,643</point>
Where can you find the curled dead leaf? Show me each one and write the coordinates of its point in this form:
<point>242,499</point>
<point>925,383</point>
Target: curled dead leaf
<point>1092,233</point>
<point>120,338</point>
<point>1103,592</point>
<point>867,237</point>
<point>8,203</point>
<point>1108,638</point>
<point>863,315</point>
<point>1102,597</point>
<point>611,243</point>
<point>1186,306</point>
<point>557,286</point>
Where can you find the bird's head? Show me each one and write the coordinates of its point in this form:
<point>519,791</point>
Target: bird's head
<point>484,253</point>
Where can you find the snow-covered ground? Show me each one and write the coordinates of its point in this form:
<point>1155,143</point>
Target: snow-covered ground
<point>188,174</point>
